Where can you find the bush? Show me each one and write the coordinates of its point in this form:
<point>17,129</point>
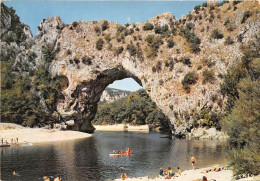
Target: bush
<point>154,44</point>
<point>246,15</point>
<point>99,44</point>
<point>216,34</point>
<point>204,4</point>
<point>104,25</point>
<point>97,30</point>
<point>87,60</point>
<point>75,24</point>
<point>228,41</point>
<point>170,43</point>
<point>185,60</point>
<point>119,50</point>
<point>158,66</point>
<point>148,26</point>
<point>208,76</point>
<point>197,9</point>
<point>69,52</point>
<point>189,79</point>
<point>161,29</point>
<point>131,49</point>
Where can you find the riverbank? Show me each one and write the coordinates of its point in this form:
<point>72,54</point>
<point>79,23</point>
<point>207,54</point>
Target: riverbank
<point>121,127</point>
<point>197,174</point>
<point>37,135</point>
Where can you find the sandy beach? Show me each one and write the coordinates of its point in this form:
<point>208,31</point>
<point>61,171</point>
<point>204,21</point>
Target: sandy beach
<point>197,174</point>
<point>37,135</point>
<point>121,127</point>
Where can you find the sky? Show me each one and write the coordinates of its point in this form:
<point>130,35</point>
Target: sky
<point>32,13</point>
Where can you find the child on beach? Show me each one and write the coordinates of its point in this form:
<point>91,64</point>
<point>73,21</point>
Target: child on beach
<point>192,159</point>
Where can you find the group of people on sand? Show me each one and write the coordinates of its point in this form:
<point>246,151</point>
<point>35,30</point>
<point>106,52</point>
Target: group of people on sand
<point>45,178</point>
<point>12,141</point>
<point>168,174</point>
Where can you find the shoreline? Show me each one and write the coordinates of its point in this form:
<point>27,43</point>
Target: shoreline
<point>37,135</point>
<point>121,127</point>
<point>197,174</point>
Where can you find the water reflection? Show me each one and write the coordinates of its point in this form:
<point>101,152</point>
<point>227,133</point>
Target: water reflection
<point>88,159</point>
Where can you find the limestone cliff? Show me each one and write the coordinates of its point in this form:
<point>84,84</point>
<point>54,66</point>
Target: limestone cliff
<point>110,95</point>
<point>158,54</point>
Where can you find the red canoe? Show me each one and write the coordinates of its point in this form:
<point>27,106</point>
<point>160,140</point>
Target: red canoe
<point>4,145</point>
<point>123,153</point>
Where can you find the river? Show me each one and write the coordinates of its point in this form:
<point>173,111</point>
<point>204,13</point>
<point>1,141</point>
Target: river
<point>88,159</point>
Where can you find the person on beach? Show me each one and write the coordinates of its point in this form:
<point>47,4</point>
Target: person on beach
<point>192,159</point>
<point>204,178</point>
<point>57,178</point>
<point>179,172</point>
<point>17,142</point>
<point>2,141</point>
<point>170,173</point>
<point>161,172</point>
<point>128,149</point>
<point>123,176</point>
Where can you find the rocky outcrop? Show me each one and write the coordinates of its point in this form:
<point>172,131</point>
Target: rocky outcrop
<point>110,95</point>
<point>91,55</point>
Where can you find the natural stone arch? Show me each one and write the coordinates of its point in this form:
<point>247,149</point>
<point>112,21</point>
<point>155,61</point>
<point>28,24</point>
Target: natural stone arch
<point>87,80</point>
<point>81,104</point>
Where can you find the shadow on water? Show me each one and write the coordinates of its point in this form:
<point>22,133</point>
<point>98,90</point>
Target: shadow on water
<point>88,159</point>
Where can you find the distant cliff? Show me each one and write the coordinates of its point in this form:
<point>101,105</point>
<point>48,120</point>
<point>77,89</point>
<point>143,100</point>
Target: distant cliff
<point>110,95</point>
<point>179,62</point>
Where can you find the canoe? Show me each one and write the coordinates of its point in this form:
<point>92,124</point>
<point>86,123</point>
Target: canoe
<point>123,153</point>
<point>4,145</point>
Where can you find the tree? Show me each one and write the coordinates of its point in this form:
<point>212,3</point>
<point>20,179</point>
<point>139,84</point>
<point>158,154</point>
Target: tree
<point>243,128</point>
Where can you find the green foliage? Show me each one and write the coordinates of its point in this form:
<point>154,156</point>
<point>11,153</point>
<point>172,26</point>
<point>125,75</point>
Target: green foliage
<point>99,44</point>
<point>216,34</point>
<point>97,30</point>
<point>170,43</point>
<point>87,60</point>
<point>69,52</point>
<point>248,66</point>
<point>185,60</point>
<point>48,53</point>
<point>197,9</point>
<point>204,4</point>
<point>161,29</point>
<point>15,33</point>
<point>136,109</point>
<point>148,26</point>
<point>228,41</point>
<point>208,76</point>
<point>242,126</point>
<point>241,86</point>
<point>189,79</point>
<point>191,37</point>
<point>154,44</point>
<point>131,49</point>
<point>119,50</point>
<point>246,15</point>
<point>105,25</point>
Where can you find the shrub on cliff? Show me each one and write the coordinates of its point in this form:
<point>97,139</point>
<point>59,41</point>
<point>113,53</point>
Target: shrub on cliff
<point>170,43</point>
<point>131,49</point>
<point>105,25</point>
<point>228,41</point>
<point>216,34</point>
<point>189,79</point>
<point>99,44</point>
<point>148,26</point>
<point>208,76</point>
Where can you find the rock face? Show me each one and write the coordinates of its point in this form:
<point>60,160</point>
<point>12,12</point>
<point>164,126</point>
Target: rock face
<point>91,55</point>
<point>110,95</point>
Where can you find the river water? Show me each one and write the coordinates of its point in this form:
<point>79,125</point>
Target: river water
<point>88,159</point>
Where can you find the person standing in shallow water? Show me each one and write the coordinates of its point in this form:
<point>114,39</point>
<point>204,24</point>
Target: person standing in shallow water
<point>193,160</point>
